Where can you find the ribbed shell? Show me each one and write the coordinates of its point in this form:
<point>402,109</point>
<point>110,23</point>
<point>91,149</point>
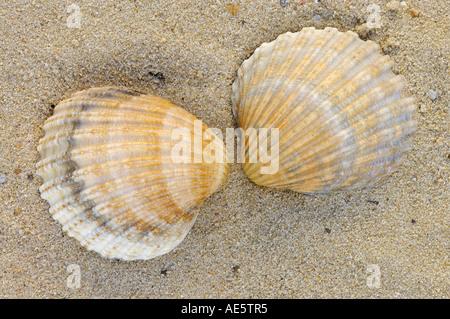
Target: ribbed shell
<point>109,176</point>
<point>337,105</point>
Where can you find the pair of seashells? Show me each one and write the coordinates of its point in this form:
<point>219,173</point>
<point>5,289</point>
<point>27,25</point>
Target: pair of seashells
<point>107,154</point>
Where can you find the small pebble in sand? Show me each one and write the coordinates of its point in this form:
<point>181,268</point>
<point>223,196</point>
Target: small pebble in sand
<point>2,178</point>
<point>433,95</point>
<point>283,3</point>
<point>233,8</point>
<point>390,45</point>
<point>363,30</point>
<point>317,18</point>
<point>393,6</point>
<point>415,12</point>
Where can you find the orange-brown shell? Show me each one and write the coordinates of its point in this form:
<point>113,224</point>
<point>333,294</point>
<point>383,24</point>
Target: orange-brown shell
<point>109,174</point>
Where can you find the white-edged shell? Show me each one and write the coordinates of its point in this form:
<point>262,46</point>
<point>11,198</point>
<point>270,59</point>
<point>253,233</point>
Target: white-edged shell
<point>336,103</point>
<point>110,175</point>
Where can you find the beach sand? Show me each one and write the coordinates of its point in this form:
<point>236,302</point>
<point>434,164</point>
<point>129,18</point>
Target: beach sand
<point>390,240</point>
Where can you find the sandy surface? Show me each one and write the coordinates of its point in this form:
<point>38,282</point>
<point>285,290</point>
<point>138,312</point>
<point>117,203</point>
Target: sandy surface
<point>248,241</point>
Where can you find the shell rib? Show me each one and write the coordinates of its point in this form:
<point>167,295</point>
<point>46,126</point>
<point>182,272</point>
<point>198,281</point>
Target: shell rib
<point>109,174</point>
<point>337,104</point>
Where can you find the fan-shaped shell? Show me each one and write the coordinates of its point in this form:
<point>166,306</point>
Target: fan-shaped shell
<point>110,176</point>
<point>337,105</point>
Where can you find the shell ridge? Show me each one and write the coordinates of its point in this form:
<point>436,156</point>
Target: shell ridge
<point>309,68</point>
<point>306,49</point>
<point>258,57</point>
<point>308,92</point>
<point>342,110</point>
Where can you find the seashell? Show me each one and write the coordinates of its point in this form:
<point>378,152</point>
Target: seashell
<point>110,175</point>
<point>336,103</point>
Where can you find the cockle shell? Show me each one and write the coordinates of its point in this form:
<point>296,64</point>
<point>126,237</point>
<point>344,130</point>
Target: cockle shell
<point>109,174</point>
<point>336,103</point>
